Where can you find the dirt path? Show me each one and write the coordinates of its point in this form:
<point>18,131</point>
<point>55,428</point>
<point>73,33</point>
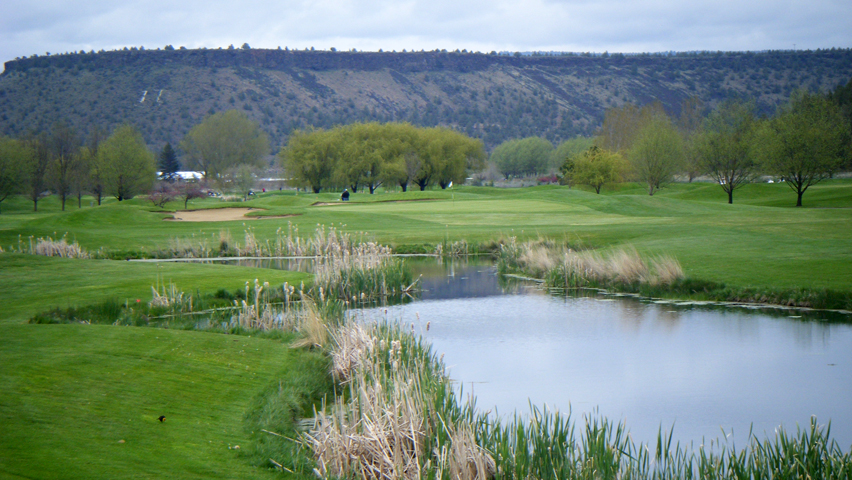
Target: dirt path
<point>218,215</point>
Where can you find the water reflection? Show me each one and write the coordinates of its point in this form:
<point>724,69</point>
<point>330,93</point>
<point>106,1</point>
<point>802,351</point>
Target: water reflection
<point>701,368</point>
<point>462,278</point>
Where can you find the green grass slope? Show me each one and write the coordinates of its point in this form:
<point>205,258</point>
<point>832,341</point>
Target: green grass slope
<point>82,401</point>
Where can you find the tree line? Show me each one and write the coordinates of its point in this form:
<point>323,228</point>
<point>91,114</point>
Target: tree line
<point>807,140</point>
<point>119,165</point>
<point>228,149</point>
<point>369,155</point>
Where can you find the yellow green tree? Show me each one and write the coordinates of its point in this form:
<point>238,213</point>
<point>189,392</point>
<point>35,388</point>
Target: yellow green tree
<point>224,140</point>
<point>597,167</point>
<point>656,153</point>
<point>310,158</point>
<point>125,165</point>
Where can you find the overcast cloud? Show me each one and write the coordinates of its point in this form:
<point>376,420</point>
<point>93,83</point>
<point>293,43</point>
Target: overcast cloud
<point>38,26</point>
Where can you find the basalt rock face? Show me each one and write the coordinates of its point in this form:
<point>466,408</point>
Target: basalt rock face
<point>494,97</point>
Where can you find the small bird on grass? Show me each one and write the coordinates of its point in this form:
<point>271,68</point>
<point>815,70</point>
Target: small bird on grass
<point>162,418</point>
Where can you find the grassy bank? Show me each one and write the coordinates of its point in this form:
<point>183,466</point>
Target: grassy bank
<point>83,401</point>
<point>30,284</point>
<point>624,270</point>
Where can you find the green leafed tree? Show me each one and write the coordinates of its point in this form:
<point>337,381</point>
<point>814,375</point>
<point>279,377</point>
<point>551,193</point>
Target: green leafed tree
<point>519,158</point>
<point>656,153</point>
<point>37,167</point>
<point>310,158</point>
<point>403,155</point>
<point>451,155</point>
<point>222,141</point>
<point>364,155</point>
<point>724,146</point>
<point>689,124</point>
<point>597,167</point>
<point>806,141</point>
<point>241,179</point>
<point>89,156</point>
<point>14,156</point>
<point>568,149</point>
<point>126,166</point>
<point>372,154</point>
<point>64,151</point>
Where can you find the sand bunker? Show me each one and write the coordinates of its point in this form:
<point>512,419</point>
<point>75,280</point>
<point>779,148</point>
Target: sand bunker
<point>219,215</point>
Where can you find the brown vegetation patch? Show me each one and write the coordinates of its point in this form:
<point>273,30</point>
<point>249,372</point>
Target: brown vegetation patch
<point>219,215</point>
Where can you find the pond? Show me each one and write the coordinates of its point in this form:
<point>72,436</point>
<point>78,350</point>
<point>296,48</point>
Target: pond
<point>708,372</point>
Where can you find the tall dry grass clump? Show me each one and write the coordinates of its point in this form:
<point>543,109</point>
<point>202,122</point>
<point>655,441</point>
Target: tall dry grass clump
<point>399,420</point>
<point>377,434</point>
<point>564,267</point>
<point>170,297</point>
<point>362,273</point>
<point>286,243</point>
<point>57,248</point>
<point>309,322</point>
<point>257,312</point>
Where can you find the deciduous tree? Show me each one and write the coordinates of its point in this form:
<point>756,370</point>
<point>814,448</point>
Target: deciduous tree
<point>597,167</point>
<point>526,156</point>
<point>452,155</point>
<point>310,157</point>
<point>657,152</point>
<point>805,142</point>
<point>64,150</point>
<point>37,166</point>
<point>689,124</point>
<point>126,166</point>
<point>568,149</point>
<point>622,125</point>
<point>89,155</point>
<point>224,140</point>
<point>724,146</point>
<point>189,190</point>
<point>241,179</point>
<point>13,158</point>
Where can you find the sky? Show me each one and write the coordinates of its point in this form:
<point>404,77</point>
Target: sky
<point>30,27</point>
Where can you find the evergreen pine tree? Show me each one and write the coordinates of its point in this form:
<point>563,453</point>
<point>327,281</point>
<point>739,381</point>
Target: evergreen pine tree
<point>168,163</point>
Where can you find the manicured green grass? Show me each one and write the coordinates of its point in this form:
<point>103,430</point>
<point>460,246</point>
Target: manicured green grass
<point>82,401</point>
<point>759,241</point>
<point>30,284</point>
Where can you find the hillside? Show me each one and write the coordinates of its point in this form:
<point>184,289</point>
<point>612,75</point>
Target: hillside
<point>490,96</point>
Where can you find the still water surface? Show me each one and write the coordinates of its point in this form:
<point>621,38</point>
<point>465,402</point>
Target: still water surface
<point>710,372</point>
